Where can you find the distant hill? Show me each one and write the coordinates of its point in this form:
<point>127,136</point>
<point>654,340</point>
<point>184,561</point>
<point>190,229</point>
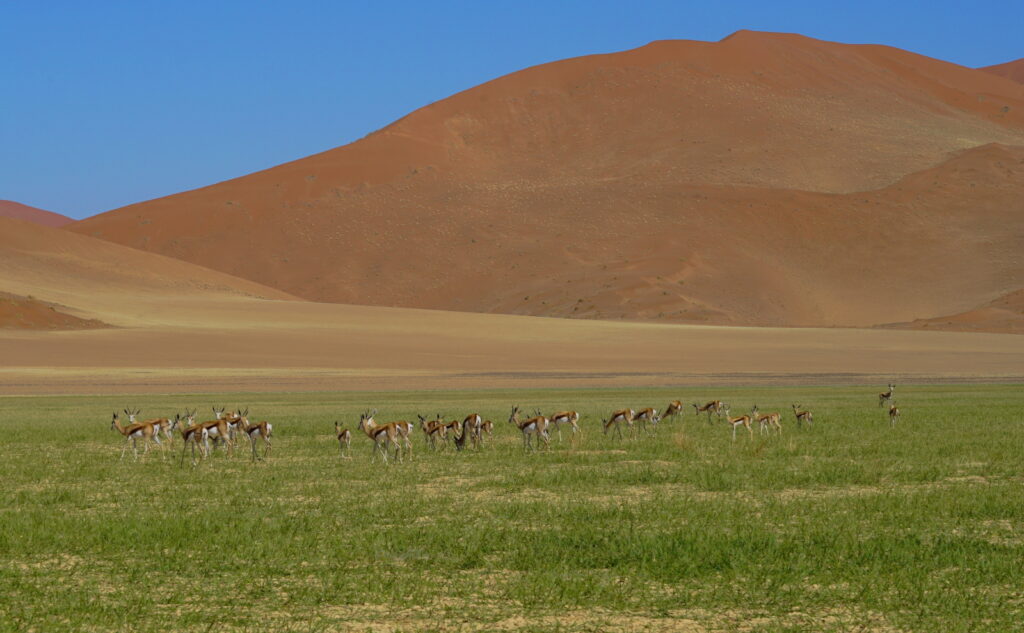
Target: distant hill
<point>11,209</point>
<point>55,279</point>
<point>1011,70</point>
<point>766,179</point>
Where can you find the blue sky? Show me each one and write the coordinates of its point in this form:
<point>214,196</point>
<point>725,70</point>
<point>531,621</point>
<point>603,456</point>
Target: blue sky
<point>107,103</point>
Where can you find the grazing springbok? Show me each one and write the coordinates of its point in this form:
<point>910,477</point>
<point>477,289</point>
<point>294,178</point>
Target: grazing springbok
<point>643,416</point>
<point>802,416</point>
<point>382,436</point>
<point>571,418</point>
<point>465,431</point>
<point>715,406</point>
<point>886,396</point>
<point>537,425</point>
<point>894,414</point>
<point>616,419</point>
<point>261,430</point>
<point>344,440</point>
<point>134,432</point>
<point>743,420</point>
<point>486,428</point>
<point>767,421</point>
<point>673,409</point>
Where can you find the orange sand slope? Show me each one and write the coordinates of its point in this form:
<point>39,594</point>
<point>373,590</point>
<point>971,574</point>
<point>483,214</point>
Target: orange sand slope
<point>11,209</point>
<point>183,328</point>
<point>1011,70</point>
<point>92,278</point>
<point>255,345</point>
<point>767,179</point>
<point>1005,314</point>
<point>28,313</point>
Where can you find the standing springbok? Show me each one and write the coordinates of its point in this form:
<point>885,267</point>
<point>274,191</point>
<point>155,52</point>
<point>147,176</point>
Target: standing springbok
<point>743,420</point>
<point>886,396</point>
<point>261,430</point>
<point>537,425</point>
<point>133,432</point>
<point>715,406</point>
<point>476,423</point>
<point>894,414</point>
<point>643,416</point>
<point>382,436</point>
<point>165,426</point>
<point>217,430</point>
<point>571,418</point>
<point>344,440</point>
<point>767,421</point>
<point>802,416</point>
<point>432,429</point>
<point>616,419</point>
<point>194,434</point>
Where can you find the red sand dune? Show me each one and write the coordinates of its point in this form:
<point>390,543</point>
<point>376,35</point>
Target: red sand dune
<point>1011,70</point>
<point>28,313</point>
<point>84,278</point>
<point>766,179</point>
<point>1005,315</point>
<point>11,209</point>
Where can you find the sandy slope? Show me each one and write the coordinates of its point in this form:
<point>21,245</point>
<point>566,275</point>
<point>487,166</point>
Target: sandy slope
<point>184,328</point>
<point>766,179</point>
<point>11,209</point>
<point>28,313</point>
<point>1005,314</point>
<point>93,278</point>
<point>257,345</point>
<point>1011,70</point>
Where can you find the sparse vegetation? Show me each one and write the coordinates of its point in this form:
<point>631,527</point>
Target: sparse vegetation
<point>848,525</point>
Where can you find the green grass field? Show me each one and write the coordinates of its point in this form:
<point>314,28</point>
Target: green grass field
<point>846,526</point>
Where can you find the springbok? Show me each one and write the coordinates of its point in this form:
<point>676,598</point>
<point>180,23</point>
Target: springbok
<point>616,419</point>
<point>165,426</point>
<point>134,432</point>
<point>475,423</point>
<point>767,421</point>
<point>217,430</point>
<point>459,439</point>
<point>194,434</point>
<point>802,416</point>
<point>537,425</point>
<point>673,409</point>
<point>261,430</point>
<point>382,436</point>
<point>743,420</point>
<point>432,429</point>
<point>344,440</point>
<point>886,396</point>
<point>894,414</point>
<point>643,416</point>
<point>571,418</point>
<point>715,406</point>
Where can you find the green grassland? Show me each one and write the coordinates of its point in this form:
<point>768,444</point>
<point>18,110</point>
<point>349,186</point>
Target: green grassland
<point>847,526</point>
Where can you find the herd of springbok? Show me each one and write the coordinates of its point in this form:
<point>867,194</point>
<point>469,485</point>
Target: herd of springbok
<point>471,430</point>
<point>223,429</point>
